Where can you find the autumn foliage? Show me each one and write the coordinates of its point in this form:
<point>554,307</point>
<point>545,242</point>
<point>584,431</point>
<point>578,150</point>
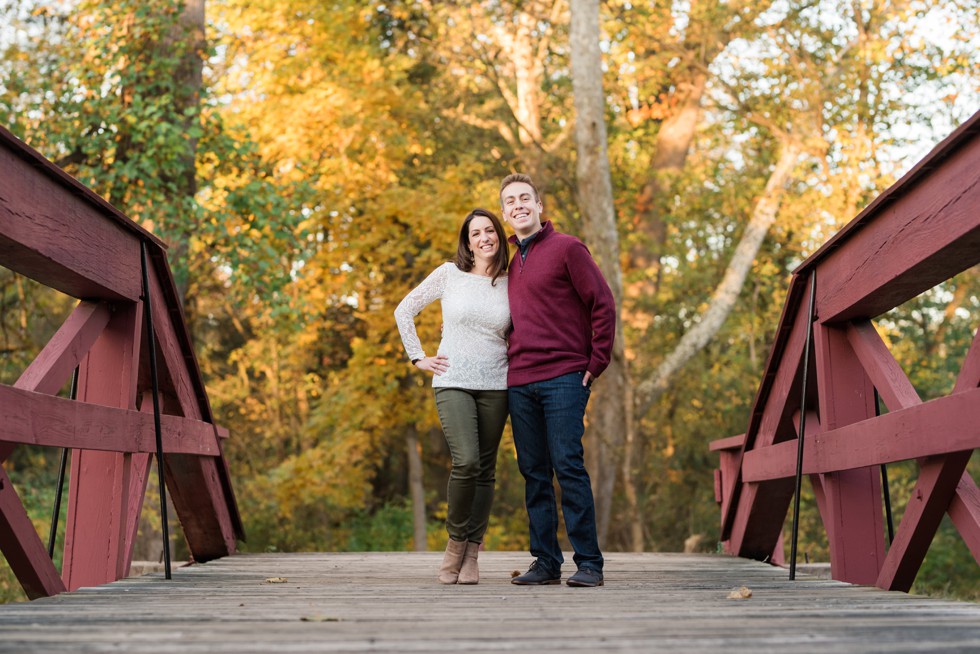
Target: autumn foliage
<point>309,162</point>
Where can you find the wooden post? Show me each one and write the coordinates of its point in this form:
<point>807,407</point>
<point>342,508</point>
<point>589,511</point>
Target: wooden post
<point>99,495</point>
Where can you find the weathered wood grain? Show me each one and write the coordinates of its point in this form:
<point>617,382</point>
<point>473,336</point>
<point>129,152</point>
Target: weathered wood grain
<point>200,499</point>
<point>22,547</point>
<point>886,375</point>
<point>52,366</point>
<point>930,498</point>
<point>941,426</point>
<point>964,510</point>
<point>56,231</point>
<point>926,230</point>
<point>39,419</point>
<point>390,602</point>
<point>753,518</point>
<point>60,239</point>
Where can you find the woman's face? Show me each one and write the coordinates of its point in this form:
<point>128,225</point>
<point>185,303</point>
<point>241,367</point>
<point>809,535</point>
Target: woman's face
<point>484,240</point>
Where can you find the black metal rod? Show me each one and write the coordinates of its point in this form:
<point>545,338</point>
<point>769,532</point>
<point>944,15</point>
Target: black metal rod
<point>885,491</point>
<point>56,513</point>
<point>152,346</point>
<point>799,448</point>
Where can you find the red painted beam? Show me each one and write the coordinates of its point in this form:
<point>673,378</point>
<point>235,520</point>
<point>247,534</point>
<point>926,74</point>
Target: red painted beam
<point>60,239</point>
<point>53,365</point>
<point>139,476</point>
<point>920,232</point>
<point>200,489</point>
<point>943,485</point>
<point>199,498</point>
<point>853,517</point>
<point>964,509</point>
<point>917,240</point>
<point>98,497</point>
<point>782,371</point>
<point>730,443</point>
<point>941,426</point>
<point>22,548</point>
<point>969,376</point>
<point>63,235</point>
<point>173,364</point>
<point>887,376</point>
<point>39,419</point>
<point>934,489</point>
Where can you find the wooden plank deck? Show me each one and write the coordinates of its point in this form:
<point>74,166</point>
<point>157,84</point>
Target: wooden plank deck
<point>371,602</point>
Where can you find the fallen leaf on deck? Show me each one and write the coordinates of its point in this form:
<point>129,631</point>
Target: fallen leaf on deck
<point>318,618</point>
<point>740,593</point>
<point>276,580</point>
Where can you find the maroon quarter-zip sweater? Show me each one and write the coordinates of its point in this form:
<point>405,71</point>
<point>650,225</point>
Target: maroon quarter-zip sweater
<point>563,312</point>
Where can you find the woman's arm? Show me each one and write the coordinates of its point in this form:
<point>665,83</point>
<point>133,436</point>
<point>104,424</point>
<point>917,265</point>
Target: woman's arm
<point>430,290</point>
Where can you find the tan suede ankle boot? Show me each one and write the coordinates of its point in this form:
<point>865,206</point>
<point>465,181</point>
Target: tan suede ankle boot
<point>449,572</point>
<point>469,572</point>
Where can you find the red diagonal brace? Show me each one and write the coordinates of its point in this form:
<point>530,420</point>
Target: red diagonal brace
<point>52,366</point>
<point>940,481</point>
<point>964,509</point>
<point>887,376</point>
<point>965,512</point>
<point>22,547</point>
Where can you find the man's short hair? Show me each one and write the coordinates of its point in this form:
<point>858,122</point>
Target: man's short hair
<point>515,178</point>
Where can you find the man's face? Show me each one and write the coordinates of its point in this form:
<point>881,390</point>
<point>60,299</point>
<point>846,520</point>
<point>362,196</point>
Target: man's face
<point>521,209</point>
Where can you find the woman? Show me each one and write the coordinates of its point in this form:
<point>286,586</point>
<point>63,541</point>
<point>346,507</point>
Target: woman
<point>469,378</point>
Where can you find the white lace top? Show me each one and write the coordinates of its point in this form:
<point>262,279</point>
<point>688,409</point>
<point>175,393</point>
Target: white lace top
<point>476,319</point>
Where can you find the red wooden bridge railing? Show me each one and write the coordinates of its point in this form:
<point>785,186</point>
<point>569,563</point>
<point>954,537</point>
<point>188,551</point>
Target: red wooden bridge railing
<point>59,233</point>
<point>920,232</point>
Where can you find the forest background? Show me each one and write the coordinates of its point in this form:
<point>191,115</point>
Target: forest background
<point>309,162</point>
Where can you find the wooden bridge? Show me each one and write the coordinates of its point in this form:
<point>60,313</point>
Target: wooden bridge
<point>140,396</point>
<point>817,409</point>
<point>137,389</point>
<point>389,602</point>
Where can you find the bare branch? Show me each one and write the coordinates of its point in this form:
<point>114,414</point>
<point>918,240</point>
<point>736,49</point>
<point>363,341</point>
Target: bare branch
<point>726,293</point>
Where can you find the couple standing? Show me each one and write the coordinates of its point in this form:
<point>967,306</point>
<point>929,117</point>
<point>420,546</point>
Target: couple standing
<point>531,340</point>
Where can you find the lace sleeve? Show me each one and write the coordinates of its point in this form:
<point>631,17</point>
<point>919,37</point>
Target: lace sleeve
<point>421,296</point>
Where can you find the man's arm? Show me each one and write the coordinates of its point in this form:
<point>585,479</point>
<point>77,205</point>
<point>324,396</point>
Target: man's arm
<point>598,299</point>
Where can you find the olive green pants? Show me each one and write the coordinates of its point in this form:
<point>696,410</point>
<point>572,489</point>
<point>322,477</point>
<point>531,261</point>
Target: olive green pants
<point>473,422</point>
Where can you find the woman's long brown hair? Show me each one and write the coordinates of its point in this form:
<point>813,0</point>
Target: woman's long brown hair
<point>465,260</point>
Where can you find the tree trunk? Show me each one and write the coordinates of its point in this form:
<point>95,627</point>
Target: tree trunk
<point>725,295</point>
<point>416,489</point>
<point>190,32</point>
<point>709,32</point>
<point>611,406</point>
<point>672,146</point>
<point>526,107</point>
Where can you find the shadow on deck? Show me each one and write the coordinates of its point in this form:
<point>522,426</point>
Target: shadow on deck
<point>354,602</point>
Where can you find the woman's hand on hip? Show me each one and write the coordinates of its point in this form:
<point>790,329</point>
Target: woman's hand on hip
<point>437,365</point>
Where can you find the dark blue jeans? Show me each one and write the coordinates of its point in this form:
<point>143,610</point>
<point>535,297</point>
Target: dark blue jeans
<point>548,422</point>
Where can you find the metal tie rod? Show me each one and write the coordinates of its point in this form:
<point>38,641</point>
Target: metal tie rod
<point>799,448</point>
<point>151,344</point>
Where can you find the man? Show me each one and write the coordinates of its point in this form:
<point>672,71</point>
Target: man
<point>564,320</point>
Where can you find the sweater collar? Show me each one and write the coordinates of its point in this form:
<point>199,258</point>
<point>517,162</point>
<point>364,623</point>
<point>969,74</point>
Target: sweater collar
<point>546,228</point>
